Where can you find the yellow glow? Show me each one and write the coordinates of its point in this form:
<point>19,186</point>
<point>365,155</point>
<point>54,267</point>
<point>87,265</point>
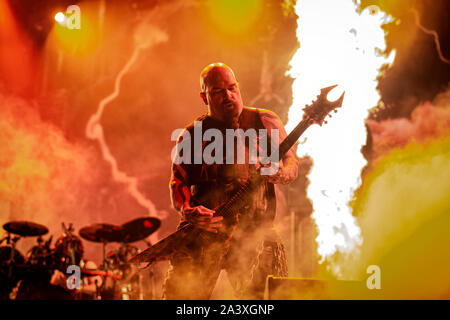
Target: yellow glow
<point>234,16</point>
<point>337,46</point>
<point>403,209</point>
<point>78,42</point>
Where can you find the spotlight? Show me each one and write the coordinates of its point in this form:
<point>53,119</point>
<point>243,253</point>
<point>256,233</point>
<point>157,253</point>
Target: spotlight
<point>60,18</point>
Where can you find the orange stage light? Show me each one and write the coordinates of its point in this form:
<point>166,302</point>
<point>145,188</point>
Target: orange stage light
<point>235,16</point>
<point>60,18</point>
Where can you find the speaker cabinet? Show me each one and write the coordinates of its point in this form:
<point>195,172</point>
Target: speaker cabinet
<point>284,288</point>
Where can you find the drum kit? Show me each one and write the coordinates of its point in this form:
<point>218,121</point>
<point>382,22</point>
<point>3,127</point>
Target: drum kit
<point>32,276</point>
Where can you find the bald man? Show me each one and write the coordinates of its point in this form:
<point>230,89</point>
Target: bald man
<point>255,250</point>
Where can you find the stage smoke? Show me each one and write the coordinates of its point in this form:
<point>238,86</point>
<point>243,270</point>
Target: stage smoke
<point>403,206</point>
<point>146,34</point>
<point>43,177</point>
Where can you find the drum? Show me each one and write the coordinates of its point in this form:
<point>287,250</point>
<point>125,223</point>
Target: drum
<point>68,251</point>
<point>40,257</point>
<point>128,287</point>
<point>29,290</point>
<point>10,270</point>
<point>40,263</point>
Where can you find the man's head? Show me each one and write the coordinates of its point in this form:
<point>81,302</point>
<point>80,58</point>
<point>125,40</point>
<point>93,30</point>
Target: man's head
<point>220,92</point>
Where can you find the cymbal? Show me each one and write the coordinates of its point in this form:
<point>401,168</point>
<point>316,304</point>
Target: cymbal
<point>102,232</point>
<point>25,228</point>
<point>140,228</point>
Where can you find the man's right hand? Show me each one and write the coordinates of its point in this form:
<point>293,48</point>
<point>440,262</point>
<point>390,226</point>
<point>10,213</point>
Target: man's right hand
<point>202,218</point>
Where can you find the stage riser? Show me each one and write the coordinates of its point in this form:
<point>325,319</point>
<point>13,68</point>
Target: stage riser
<point>284,288</point>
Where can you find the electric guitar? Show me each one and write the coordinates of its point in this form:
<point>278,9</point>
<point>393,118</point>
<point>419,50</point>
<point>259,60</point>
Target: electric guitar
<point>188,237</point>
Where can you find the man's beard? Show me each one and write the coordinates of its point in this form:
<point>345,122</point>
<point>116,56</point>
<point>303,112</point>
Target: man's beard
<point>232,117</point>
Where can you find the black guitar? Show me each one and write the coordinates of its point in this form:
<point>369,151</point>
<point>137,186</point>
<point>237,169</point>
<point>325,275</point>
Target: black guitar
<point>188,236</point>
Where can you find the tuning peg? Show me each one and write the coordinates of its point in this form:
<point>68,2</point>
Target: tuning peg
<point>326,122</point>
<point>335,110</point>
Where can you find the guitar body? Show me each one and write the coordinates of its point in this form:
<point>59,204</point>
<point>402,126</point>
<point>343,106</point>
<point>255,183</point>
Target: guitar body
<point>189,241</point>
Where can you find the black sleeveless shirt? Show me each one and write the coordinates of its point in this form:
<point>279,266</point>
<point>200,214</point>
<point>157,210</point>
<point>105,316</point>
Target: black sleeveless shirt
<point>212,184</point>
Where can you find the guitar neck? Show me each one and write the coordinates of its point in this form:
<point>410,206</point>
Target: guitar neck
<point>292,138</point>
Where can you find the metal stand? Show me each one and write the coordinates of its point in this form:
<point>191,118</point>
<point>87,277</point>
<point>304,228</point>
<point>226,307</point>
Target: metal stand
<point>13,252</point>
<point>151,276</point>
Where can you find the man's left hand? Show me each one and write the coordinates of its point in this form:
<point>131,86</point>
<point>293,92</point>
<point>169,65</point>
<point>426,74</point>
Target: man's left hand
<point>284,175</point>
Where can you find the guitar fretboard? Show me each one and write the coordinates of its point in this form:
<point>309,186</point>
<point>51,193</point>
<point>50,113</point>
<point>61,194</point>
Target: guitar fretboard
<point>234,203</point>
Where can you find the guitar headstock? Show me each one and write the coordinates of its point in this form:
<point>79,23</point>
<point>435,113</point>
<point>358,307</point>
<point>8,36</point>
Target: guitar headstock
<point>321,107</point>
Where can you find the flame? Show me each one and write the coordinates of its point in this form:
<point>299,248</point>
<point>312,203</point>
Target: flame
<point>338,45</point>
